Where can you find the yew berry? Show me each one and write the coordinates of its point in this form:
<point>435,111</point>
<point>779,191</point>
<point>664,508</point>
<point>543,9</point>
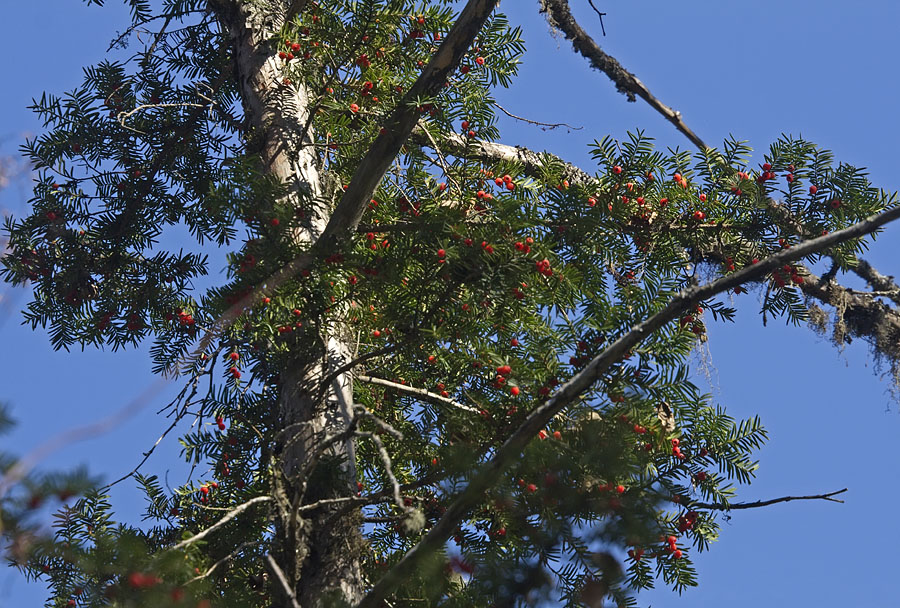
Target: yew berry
<point>479,60</point>
<point>813,190</point>
<point>235,372</point>
<point>620,489</point>
<point>354,108</point>
<point>234,356</point>
<point>699,215</point>
<point>513,342</point>
<point>442,186</point>
<point>514,390</point>
<point>531,488</point>
<point>617,169</point>
<point>557,435</point>
<point>464,69</point>
<point>441,253</point>
<point>465,125</point>
<point>204,490</point>
<point>376,334</point>
<point>274,221</point>
<point>542,434</point>
<point>677,554</point>
<point>702,197</point>
<point>835,203</point>
<point>266,300</point>
<point>470,134</point>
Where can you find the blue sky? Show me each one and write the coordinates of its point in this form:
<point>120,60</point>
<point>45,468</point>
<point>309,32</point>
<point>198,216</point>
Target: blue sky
<point>820,69</point>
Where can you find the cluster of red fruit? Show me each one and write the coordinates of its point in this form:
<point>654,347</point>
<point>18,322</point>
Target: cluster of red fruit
<point>141,580</point>
<point>470,133</point>
<point>543,267</point>
<point>526,246</point>
<point>672,547</point>
<point>687,521</point>
<point>676,449</point>
<point>786,273</point>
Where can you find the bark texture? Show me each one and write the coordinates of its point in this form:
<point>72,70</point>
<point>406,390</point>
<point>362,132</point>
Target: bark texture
<point>320,554</point>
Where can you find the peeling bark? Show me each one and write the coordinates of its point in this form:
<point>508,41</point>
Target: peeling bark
<point>319,553</point>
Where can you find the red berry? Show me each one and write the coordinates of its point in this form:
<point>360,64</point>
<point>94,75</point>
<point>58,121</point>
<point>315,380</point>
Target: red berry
<point>354,108</point>
<point>514,390</point>
<point>557,435</point>
<point>813,190</point>
<point>376,334</point>
<point>479,60</point>
<point>620,489</point>
<point>274,221</point>
<point>617,169</point>
<point>441,253</point>
<point>531,488</point>
<point>234,356</point>
<point>235,372</point>
<point>465,125</point>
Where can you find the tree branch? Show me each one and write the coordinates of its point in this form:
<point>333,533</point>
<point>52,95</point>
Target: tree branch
<point>765,503</point>
<point>400,123</point>
<point>416,392</point>
<point>282,579</point>
<point>560,17</point>
<point>228,517</point>
<point>509,452</point>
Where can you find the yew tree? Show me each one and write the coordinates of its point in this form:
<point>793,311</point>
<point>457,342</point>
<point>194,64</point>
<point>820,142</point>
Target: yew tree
<point>439,369</point>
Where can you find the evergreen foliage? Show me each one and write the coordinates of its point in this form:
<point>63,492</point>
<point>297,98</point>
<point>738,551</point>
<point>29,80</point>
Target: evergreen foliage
<point>485,285</point>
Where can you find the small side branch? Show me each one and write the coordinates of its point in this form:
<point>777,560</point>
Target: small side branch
<point>228,517</point>
<point>416,392</point>
<point>715,506</point>
<point>282,579</point>
<point>546,125</point>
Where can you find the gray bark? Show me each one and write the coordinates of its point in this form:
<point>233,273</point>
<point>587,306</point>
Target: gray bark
<point>319,553</point>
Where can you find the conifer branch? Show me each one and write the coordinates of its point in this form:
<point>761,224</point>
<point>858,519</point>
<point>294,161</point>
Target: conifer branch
<point>400,124</point>
<point>569,392</point>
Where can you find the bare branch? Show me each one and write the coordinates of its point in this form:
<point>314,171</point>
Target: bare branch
<point>560,16</point>
<point>228,517</point>
<point>282,579</point>
<point>765,503</point>
<point>417,392</point>
<point>509,452</point>
<point>548,125</point>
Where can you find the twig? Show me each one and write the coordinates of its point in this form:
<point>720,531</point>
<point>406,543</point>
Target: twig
<point>599,14</point>
<point>228,517</point>
<point>418,392</point>
<point>225,559</point>
<point>549,125</point>
<point>766,503</point>
<point>511,449</point>
<point>283,580</point>
<point>388,469</point>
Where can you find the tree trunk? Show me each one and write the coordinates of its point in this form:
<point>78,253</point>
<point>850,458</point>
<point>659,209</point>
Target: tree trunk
<point>320,552</point>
